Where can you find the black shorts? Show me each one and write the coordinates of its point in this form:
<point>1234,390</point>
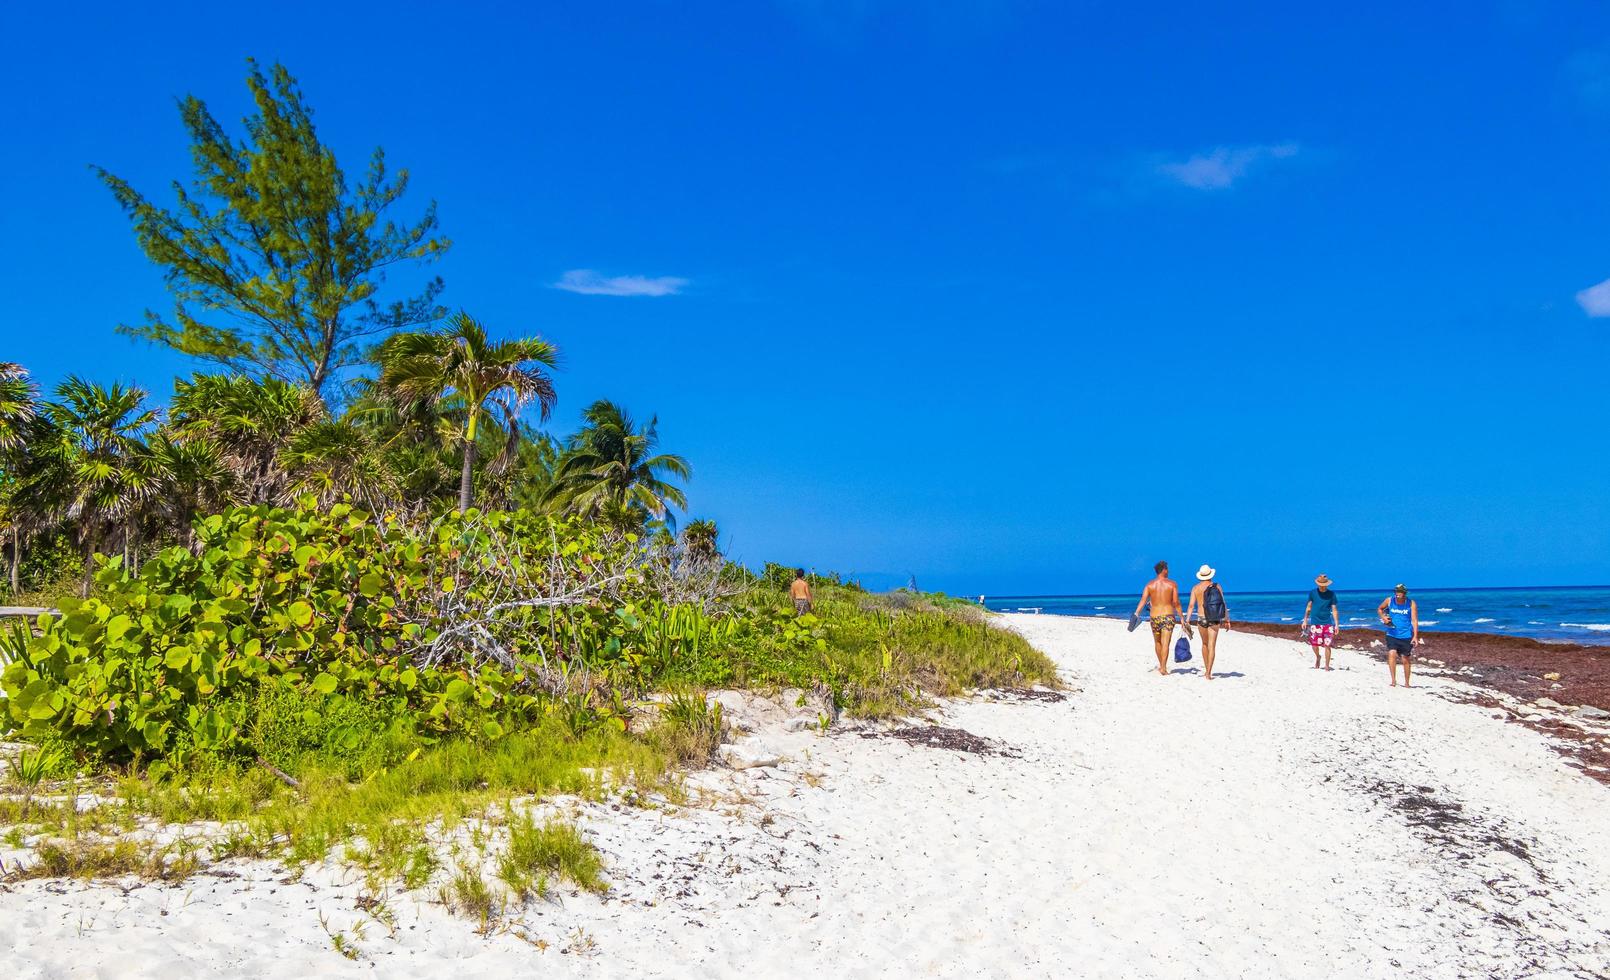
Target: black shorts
<point>1210,624</point>
<point>1403,647</point>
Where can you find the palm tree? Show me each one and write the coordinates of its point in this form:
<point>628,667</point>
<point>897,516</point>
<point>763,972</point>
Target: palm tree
<point>17,412</point>
<point>250,421</point>
<point>335,459</point>
<point>85,463</point>
<point>610,471</point>
<point>17,408</point>
<point>192,476</point>
<point>488,381</point>
<point>699,538</point>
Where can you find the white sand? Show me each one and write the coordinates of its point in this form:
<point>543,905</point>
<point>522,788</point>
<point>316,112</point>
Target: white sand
<point>1254,826</point>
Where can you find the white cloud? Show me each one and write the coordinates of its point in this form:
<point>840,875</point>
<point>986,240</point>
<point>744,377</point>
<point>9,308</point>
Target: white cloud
<point>587,282</point>
<point>1595,300</point>
<point>1221,167</point>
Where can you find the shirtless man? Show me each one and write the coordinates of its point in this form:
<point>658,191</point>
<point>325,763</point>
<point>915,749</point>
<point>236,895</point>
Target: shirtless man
<point>801,593</point>
<point>1164,597</point>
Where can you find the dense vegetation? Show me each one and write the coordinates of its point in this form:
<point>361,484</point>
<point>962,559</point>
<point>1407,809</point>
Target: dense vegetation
<point>351,588</point>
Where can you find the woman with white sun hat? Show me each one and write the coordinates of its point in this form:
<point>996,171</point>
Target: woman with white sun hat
<point>1208,596</point>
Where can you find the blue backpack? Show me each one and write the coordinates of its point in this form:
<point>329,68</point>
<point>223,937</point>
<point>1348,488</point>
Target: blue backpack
<point>1182,650</point>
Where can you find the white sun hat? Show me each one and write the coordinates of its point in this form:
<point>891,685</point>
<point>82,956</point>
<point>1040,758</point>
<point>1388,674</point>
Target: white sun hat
<point>1205,572</point>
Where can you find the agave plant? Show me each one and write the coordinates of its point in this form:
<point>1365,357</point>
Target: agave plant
<point>483,379</point>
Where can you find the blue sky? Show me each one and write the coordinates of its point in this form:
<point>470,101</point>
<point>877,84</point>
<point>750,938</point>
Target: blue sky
<point>1012,296</point>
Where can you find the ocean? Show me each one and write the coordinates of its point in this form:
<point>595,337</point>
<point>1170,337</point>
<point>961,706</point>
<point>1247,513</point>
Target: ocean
<point>1580,614</point>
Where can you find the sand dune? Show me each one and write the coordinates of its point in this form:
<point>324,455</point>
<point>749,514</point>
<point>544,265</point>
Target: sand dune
<point>1279,822</point>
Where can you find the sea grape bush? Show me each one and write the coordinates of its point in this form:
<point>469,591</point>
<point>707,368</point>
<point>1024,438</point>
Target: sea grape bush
<point>287,632</point>
<point>338,606</point>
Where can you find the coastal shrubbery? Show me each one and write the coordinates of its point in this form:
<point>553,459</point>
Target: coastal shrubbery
<point>337,637</point>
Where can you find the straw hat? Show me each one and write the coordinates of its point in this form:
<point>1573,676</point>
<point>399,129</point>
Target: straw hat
<point>1323,581</point>
<point>1205,572</point>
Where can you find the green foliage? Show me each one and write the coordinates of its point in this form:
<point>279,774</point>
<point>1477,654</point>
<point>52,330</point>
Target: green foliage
<point>86,458</point>
<point>289,632</point>
<point>34,766</point>
<point>51,569</point>
<point>610,472</point>
<point>554,849</point>
<point>324,604</point>
<point>295,730</point>
<point>701,539</point>
<point>690,727</point>
<point>17,405</point>
<point>877,655</point>
<point>481,376</point>
<point>469,895</point>
<point>273,248</point>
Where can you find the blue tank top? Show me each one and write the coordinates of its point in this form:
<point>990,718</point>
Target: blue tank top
<point>1402,628</point>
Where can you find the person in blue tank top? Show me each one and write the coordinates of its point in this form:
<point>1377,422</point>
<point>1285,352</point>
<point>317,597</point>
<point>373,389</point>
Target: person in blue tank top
<point>1401,617</point>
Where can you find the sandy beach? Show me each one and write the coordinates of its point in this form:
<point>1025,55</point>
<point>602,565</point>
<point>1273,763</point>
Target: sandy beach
<point>1276,822</point>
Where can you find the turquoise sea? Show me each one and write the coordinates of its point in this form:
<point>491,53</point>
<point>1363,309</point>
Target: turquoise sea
<point>1577,613</point>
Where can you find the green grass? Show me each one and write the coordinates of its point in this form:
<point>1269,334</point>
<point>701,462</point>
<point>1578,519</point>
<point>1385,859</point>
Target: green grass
<point>555,849</point>
<point>884,655</point>
<point>383,821</point>
<point>114,858</point>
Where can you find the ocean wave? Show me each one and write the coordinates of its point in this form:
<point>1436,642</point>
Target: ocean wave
<point>1357,619</point>
<point>1287,619</point>
<point>1101,607</point>
<point>1535,622</point>
<point>1595,627</point>
<point>1429,622</point>
<point>1444,609</point>
<point>1486,620</point>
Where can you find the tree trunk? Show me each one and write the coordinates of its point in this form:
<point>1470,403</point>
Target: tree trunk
<point>16,561</point>
<point>89,566</point>
<point>466,480</point>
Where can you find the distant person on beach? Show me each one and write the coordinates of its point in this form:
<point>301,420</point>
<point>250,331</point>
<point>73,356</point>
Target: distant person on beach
<point>1209,597</point>
<point>1164,597</point>
<point>1401,617</point>
<point>1321,605</point>
<point>801,591</point>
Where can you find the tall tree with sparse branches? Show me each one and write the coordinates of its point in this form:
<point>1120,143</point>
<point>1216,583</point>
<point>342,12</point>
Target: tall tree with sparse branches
<point>276,264</point>
<point>485,378</point>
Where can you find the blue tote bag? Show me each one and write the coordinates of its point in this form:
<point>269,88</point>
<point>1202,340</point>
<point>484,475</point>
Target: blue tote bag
<point>1182,650</point>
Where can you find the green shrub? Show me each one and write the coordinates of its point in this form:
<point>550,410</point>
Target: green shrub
<point>334,608</point>
<point>690,727</point>
<point>292,729</point>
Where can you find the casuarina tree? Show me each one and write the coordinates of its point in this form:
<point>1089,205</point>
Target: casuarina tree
<point>276,263</point>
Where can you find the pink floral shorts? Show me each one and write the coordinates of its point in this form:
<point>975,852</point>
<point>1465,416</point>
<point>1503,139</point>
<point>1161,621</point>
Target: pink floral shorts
<point>1321,634</point>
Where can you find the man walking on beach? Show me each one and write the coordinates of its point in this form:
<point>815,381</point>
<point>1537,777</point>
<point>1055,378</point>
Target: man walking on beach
<point>1209,597</point>
<point>1320,601</point>
<point>1401,617</point>
<point>801,591</point>
<point>1164,597</point>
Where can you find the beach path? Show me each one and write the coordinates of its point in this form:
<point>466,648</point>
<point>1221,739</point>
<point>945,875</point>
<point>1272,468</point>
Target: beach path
<point>1278,821</point>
